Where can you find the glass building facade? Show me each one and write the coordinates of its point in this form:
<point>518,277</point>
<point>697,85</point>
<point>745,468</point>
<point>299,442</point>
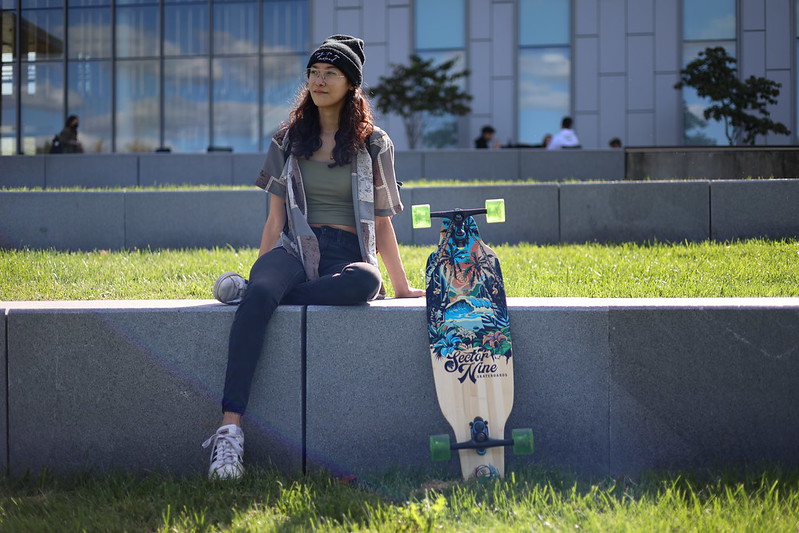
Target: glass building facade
<point>193,74</point>
<point>145,74</point>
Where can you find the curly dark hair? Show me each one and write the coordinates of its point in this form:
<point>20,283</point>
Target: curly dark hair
<point>355,125</point>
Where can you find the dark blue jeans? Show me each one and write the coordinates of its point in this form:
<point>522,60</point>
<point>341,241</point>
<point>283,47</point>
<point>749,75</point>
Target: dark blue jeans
<point>278,277</point>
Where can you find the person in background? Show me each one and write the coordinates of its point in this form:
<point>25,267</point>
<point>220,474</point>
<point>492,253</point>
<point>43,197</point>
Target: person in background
<point>546,140</point>
<point>486,138</point>
<point>615,143</point>
<point>566,137</point>
<point>68,138</point>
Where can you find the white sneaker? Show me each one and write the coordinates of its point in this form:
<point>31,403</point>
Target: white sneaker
<point>226,453</point>
<point>229,288</point>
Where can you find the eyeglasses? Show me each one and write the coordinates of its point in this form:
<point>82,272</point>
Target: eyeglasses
<point>324,75</point>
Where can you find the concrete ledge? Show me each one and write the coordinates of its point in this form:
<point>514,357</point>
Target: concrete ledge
<point>188,219</point>
<point>722,162</point>
<point>91,170</point>
<point>627,211</point>
<point>609,386</point>
<point>543,213</point>
<point>131,219</point>
<point>532,212</point>
<point>64,221</point>
<point>207,169</point>
<point>137,386</point>
<point>771,209</point>
<point>22,171</point>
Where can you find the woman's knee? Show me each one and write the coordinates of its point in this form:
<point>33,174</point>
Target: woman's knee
<point>364,281</point>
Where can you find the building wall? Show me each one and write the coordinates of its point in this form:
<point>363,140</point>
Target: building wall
<point>626,57</point>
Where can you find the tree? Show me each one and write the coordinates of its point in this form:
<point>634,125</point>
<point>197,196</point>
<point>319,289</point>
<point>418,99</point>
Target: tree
<point>714,76</point>
<point>421,89</point>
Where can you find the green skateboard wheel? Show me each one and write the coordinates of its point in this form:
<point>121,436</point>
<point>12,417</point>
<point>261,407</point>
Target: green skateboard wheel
<point>439,448</point>
<point>522,441</point>
<point>421,216</point>
<point>495,210</point>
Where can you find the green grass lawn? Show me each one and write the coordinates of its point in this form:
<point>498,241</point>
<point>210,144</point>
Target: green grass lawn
<point>756,268</point>
<point>532,499</point>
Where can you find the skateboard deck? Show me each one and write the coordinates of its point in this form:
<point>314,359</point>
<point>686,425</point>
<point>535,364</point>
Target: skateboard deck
<point>470,343</point>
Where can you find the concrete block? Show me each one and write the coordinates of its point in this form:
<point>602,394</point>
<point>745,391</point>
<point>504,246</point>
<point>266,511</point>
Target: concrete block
<point>408,166</point>
<point>246,168</point>
<point>703,385</point>
<point>531,212</point>
<point>4,392</point>
<point>467,165</point>
<point>560,165</point>
<point>371,400</point>
<point>747,209</point>
<point>140,388</point>
<point>192,169</point>
<point>640,211</point>
<point>64,221</point>
<point>91,170</point>
<point>561,381</point>
<point>186,219</point>
<point>21,171</point>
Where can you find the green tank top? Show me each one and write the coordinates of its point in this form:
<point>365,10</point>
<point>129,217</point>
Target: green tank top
<point>328,192</point>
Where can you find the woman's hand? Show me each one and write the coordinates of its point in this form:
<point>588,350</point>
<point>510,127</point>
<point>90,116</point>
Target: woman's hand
<point>409,292</point>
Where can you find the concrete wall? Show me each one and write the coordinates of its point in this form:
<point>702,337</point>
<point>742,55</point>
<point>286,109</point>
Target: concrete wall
<point>609,386</point>
<point>544,213</point>
<point>146,170</point>
<point>712,163</point>
<point>131,219</point>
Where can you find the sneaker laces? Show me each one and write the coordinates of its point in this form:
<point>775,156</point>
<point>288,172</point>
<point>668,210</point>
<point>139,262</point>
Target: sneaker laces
<point>227,448</point>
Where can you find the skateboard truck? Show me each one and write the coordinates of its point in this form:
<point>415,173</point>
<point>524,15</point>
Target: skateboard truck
<point>441,446</point>
<point>494,210</point>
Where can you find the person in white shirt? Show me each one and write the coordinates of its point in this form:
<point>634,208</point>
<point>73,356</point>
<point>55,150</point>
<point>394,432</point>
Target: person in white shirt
<point>565,138</point>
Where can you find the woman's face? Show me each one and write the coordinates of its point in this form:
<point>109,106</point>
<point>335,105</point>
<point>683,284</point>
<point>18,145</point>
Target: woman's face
<point>327,84</point>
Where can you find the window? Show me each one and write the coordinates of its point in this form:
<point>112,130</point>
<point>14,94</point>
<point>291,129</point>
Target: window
<point>706,24</point>
<point>440,36</point>
<point>89,97</point>
<point>544,68</point>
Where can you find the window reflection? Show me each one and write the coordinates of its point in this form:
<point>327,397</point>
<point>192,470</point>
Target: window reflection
<point>236,28</point>
<point>128,102</point>
<point>285,26</point>
<point>280,89</point>
<point>137,106</point>
<point>235,103</point>
<point>543,22</point>
<point>706,24</point>
<point>186,104</point>
<point>42,34</point>
<point>441,131</point>
<point>440,24</point>
<point>8,32</point>
<point>42,104</point>
<point>708,20</point>
<point>186,30</point>
<point>696,129</point>
<point>137,31</point>
<point>89,33</point>
<point>544,81</point>
<point>8,111</point>
<point>89,97</point>
<point>441,42</point>
<point>544,68</point>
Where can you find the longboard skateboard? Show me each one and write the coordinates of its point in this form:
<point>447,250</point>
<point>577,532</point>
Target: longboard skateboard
<point>470,343</point>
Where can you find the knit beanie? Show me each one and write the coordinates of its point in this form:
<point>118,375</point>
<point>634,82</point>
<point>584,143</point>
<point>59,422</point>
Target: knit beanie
<point>344,52</point>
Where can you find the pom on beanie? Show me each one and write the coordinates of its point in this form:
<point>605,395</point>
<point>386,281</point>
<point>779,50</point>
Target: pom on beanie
<point>344,52</point>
